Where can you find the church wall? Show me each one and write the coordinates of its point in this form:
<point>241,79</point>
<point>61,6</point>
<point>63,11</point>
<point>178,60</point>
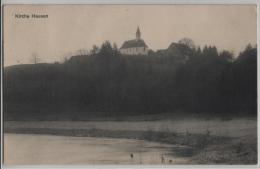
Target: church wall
<point>135,51</point>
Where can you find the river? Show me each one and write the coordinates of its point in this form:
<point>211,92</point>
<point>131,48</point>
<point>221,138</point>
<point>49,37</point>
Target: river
<point>32,149</point>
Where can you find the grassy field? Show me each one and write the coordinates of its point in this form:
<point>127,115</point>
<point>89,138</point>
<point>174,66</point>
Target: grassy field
<point>231,128</point>
<point>213,141</point>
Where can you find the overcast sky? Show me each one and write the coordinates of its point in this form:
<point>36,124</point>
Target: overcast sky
<point>69,28</point>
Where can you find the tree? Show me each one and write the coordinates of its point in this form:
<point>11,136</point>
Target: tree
<point>82,52</point>
<point>106,49</point>
<point>94,49</point>
<point>108,83</point>
<point>35,58</point>
<point>115,47</point>
<point>65,59</point>
<point>226,55</point>
<point>187,41</point>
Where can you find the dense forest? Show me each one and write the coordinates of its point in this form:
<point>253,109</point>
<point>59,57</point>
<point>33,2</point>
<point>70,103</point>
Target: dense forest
<point>181,78</point>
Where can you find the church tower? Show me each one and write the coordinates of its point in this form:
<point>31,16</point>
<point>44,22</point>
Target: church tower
<point>138,34</point>
<point>135,46</point>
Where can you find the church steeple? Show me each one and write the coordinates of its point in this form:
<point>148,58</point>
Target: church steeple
<point>138,34</point>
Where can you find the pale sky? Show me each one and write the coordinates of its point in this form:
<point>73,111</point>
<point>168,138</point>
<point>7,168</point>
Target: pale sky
<point>69,28</point>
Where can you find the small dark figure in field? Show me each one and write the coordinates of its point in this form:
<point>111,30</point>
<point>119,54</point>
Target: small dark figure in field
<point>187,133</point>
<point>162,159</point>
<point>131,155</point>
<point>208,132</point>
<point>170,161</point>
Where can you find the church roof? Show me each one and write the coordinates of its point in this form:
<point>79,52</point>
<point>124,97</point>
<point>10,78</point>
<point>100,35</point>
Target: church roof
<point>133,43</point>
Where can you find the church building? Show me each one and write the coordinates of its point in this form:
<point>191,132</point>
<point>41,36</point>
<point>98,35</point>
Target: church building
<point>136,46</point>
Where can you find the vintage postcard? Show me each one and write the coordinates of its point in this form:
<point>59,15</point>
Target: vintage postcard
<point>129,84</point>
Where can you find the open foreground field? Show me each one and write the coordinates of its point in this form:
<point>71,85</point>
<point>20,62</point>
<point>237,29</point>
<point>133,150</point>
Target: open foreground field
<point>198,141</point>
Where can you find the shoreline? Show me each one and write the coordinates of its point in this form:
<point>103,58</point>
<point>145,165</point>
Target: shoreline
<point>156,136</point>
<point>205,148</point>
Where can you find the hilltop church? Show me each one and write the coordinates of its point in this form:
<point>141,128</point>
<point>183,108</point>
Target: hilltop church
<point>136,46</point>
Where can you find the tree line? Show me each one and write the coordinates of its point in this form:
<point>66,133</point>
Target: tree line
<point>105,83</point>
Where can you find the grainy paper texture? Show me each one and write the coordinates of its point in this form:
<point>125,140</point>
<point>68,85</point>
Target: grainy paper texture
<point>130,84</point>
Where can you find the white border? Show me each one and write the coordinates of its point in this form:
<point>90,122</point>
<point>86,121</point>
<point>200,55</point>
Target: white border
<point>188,2</point>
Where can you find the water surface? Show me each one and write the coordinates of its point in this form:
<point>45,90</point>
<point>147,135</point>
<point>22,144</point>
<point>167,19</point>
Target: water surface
<point>34,149</point>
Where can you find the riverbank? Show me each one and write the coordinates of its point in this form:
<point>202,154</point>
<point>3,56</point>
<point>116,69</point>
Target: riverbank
<point>236,127</point>
<point>214,141</point>
<point>205,147</point>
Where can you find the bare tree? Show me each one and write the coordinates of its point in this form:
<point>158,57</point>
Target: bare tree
<point>94,49</point>
<point>65,59</point>
<point>35,58</point>
<point>82,52</point>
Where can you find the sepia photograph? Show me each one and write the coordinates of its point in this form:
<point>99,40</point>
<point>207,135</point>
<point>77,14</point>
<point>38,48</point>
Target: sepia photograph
<point>100,84</point>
